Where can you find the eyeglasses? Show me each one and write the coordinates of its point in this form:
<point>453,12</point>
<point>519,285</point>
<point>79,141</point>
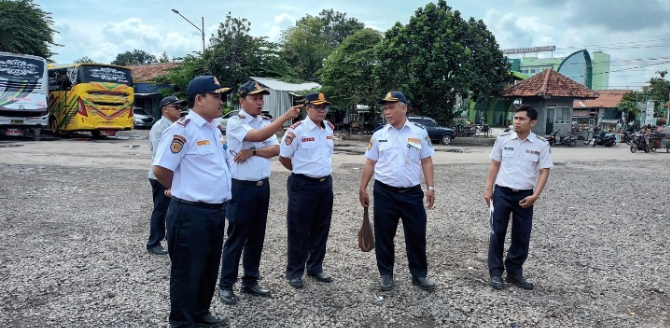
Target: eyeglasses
<point>320,108</point>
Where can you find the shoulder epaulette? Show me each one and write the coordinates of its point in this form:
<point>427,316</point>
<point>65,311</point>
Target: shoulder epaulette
<point>379,128</point>
<point>295,125</point>
<point>266,117</point>
<point>332,127</point>
<point>241,116</point>
<point>184,121</point>
<point>419,125</point>
<point>541,138</point>
<point>504,134</point>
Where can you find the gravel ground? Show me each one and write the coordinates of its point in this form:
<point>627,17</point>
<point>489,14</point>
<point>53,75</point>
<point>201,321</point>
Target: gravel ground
<point>72,254</point>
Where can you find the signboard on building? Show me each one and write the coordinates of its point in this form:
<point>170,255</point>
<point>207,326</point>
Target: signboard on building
<point>527,50</point>
<point>649,113</point>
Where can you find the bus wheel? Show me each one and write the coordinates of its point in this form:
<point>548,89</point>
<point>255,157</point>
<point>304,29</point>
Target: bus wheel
<point>54,127</point>
<point>95,134</point>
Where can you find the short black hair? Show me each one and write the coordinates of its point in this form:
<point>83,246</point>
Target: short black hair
<point>530,111</point>
<point>191,99</point>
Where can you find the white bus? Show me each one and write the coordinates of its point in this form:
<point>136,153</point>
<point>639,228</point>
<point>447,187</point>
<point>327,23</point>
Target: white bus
<point>24,83</point>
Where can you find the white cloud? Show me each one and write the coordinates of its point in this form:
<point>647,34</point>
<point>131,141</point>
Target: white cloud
<point>284,16</point>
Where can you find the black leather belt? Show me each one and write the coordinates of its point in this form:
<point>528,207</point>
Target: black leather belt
<point>513,190</point>
<point>398,190</point>
<point>322,179</point>
<point>221,206</point>
<point>247,183</point>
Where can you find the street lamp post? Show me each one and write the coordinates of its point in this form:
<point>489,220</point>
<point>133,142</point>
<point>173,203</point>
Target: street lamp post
<point>202,30</point>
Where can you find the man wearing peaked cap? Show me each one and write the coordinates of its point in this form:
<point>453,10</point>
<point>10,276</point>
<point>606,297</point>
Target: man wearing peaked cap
<point>190,162</point>
<point>251,145</point>
<point>171,109</point>
<point>398,153</point>
<point>306,151</point>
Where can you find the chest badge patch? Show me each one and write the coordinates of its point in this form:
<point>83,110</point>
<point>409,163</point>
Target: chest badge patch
<point>202,142</point>
<point>177,144</point>
<point>307,139</point>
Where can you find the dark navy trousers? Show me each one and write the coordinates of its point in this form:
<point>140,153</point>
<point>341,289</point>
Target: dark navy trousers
<point>195,239</point>
<point>247,214</point>
<point>161,203</point>
<point>389,207</point>
<point>310,207</point>
<point>506,202</point>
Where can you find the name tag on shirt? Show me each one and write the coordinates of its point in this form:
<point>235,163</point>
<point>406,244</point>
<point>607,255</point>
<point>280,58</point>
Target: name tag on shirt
<point>203,143</point>
<point>307,139</point>
<point>416,143</point>
<point>534,152</point>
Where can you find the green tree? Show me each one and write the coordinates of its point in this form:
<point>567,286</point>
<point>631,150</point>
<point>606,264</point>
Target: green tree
<point>135,57</point>
<point>84,60</point>
<point>179,76</point>
<point>336,26</point>
<point>658,89</point>
<point>235,55</point>
<point>305,47</point>
<point>348,73</point>
<point>438,56</point>
<point>26,28</point>
<point>164,58</point>
<point>629,104</point>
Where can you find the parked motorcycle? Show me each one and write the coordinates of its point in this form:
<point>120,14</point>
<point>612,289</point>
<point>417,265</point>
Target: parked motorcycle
<point>639,143</point>
<point>555,139</point>
<point>603,139</point>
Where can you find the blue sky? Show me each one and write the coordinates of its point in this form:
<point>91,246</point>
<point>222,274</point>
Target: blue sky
<point>102,29</point>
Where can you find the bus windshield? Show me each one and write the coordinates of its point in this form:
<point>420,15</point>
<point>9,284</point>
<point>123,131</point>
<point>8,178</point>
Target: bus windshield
<point>21,68</point>
<point>92,73</point>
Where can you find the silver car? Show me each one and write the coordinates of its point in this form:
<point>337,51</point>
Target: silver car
<point>142,118</point>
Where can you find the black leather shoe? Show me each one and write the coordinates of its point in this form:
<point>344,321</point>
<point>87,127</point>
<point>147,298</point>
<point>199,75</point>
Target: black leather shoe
<point>387,282</point>
<point>424,283</point>
<point>227,297</point>
<point>157,250</point>
<point>212,321</point>
<point>296,283</point>
<point>321,277</point>
<point>497,282</point>
<point>255,290</point>
<point>520,281</point>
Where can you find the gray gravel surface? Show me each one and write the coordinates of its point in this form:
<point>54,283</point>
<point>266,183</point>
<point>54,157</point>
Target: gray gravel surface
<point>72,254</point>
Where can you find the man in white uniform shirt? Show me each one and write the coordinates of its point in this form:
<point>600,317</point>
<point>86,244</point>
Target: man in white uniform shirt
<point>190,163</point>
<point>251,144</point>
<point>171,111</point>
<point>398,153</point>
<point>306,151</point>
<point>515,160</point>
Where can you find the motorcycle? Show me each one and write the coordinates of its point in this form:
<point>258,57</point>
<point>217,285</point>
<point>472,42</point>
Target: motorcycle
<point>627,138</point>
<point>555,139</point>
<point>639,143</point>
<point>603,139</point>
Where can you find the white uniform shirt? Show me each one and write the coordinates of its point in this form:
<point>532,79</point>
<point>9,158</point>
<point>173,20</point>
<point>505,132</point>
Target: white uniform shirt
<point>309,147</point>
<point>520,160</point>
<point>193,149</point>
<point>253,168</point>
<point>398,153</point>
<point>155,136</point>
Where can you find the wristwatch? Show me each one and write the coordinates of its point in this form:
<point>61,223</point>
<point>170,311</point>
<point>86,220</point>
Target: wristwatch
<point>431,188</point>
<point>253,149</point>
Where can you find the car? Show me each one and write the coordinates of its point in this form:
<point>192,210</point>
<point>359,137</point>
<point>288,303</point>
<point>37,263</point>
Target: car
<point>223,121</point>
<point>435,131</point>
<point>142,119</point>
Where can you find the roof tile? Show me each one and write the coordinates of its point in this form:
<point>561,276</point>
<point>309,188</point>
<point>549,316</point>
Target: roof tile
<point>607,99</point>
<point>549,84</point>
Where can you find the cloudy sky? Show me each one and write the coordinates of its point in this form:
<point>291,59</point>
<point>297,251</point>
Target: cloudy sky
<point>635,33</point>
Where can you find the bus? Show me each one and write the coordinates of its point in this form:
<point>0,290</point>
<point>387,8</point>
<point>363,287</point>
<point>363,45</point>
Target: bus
<point>90,97</point>
<point>23,94</point>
